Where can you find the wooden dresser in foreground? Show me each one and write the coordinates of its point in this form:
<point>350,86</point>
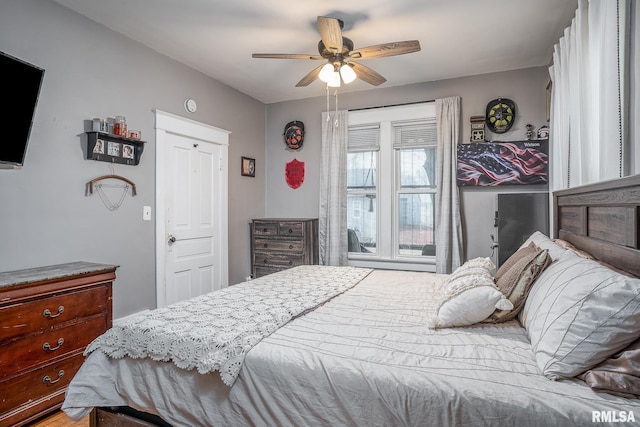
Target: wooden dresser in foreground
<point>281,243</point>
<point>48,315</point>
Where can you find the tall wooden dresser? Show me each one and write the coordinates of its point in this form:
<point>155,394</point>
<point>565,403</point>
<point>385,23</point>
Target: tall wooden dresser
<point>281,243</point>
<point>48,315</point>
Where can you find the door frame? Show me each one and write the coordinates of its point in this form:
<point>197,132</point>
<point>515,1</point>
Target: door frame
<point>167,123</point>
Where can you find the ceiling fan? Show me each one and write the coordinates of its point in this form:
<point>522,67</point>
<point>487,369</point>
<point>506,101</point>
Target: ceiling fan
<point>339,53</point>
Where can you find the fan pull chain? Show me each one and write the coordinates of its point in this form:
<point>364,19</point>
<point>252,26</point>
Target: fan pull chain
<point>336,113</point>
<point>327,89</point>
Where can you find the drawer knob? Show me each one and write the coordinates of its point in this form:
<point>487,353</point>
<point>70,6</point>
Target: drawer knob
<point>47,379</point>
<point>47,347</point>
<point>265,245</point>
<point>290,262</point>
<point>265,261</point>
<point>290,231</point>
<point>290,246</point>
<point>264,230</point>
<point>47,312</point>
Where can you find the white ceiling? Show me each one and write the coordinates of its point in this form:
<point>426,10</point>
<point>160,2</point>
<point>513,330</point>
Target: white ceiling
<point>217,37</point>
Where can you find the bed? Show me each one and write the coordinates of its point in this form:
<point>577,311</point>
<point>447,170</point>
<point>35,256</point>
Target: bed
<point>368,352</point>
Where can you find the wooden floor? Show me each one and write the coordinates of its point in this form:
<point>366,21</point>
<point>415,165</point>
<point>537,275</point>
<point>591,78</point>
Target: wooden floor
<point>60,419</point>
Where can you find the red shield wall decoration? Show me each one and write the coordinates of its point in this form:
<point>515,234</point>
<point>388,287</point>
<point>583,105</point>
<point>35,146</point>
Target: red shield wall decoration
<point>294,173</point>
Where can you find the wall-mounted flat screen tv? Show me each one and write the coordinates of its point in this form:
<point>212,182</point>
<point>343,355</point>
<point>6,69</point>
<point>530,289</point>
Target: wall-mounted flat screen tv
<point>18,111</point>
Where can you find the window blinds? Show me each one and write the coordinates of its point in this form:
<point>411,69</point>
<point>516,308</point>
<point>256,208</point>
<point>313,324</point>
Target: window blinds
<point>414,134</point>
<point>364,138</point>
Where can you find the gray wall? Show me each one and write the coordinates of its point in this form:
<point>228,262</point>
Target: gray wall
<point>91,71</point>
<point>526,87</point>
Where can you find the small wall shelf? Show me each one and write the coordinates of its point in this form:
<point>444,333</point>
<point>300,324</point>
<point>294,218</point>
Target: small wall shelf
<point>106,147</point>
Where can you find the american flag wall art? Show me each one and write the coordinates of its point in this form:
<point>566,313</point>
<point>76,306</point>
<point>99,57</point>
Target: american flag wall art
<point>503,163</point>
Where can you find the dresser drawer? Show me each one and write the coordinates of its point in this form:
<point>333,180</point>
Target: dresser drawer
<point>277,259</point>
<point>263,228</point>
<point>290,228</point>
<point>295,246</point>
<point>31,386</point>
<point>264,270</point>
<point>23,353</point>
<point>50,312</point>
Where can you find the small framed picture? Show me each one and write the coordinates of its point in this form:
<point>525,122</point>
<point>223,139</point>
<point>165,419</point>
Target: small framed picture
<point>477,135</point>
<point>114,149</point>
<point>127,151</point>
<point>99,147</point>
<point>248,167</point>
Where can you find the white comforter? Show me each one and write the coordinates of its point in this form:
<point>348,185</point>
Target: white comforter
<point>365,358</point>
<point>214,332</point>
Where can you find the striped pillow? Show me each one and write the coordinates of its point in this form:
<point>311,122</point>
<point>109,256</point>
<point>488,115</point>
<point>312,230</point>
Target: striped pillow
<point>578,314</point>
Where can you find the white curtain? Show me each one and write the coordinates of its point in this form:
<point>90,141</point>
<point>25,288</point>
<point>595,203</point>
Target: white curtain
<point>588,100</point>
<point>449,241</point>
<point>633,124</point>
<point>332,223</point>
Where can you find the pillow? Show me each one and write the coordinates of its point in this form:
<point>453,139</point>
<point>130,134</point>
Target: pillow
<point>585,254</point>
<point>516,276</point>
<point>469,296</point>
<point>483,262</point>
<point>616,269</point>
<point>470,271</point>
<point>569,245</point>
<point>619,375</point>
<point>477,266</point>
<point>542,241</point>
<point>579,313</point>
<point>530,249</point>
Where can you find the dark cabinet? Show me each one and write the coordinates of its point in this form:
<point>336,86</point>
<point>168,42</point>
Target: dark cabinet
<point>281,243</point>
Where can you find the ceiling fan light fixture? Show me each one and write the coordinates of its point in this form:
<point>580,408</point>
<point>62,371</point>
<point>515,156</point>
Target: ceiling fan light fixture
<point>336,48</point>
<point>326,73</point>
<point>347,73</point>
<point>335,80</point>
<point>329,75</point>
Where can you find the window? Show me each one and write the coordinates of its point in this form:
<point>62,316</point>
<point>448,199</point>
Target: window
<point>362,176</point>
<point>391,185</point>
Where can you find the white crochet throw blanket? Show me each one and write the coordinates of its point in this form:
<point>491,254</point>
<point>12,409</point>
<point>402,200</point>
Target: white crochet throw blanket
<point>213,332</point>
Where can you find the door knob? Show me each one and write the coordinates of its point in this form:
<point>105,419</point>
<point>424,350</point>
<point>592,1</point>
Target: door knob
<point>172,239</point>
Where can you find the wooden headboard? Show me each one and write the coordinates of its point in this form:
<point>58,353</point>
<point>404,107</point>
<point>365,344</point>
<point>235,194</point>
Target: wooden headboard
<point>602,219</point>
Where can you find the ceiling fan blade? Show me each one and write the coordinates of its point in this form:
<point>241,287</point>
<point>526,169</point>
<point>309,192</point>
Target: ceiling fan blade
<point>286,56</point>
<point>330,33</point>
<point>386,49</point>
<point>367,74</point>
<point>309,78</point>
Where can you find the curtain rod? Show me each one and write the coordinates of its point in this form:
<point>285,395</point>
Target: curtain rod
<point>392,105</point>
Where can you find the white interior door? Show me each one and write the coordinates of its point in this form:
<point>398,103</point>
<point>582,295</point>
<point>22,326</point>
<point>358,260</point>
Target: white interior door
<point>190,222</point>
<point>191,196</point>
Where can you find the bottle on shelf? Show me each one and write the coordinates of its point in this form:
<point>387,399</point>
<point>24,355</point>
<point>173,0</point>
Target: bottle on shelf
<point>120,126</point>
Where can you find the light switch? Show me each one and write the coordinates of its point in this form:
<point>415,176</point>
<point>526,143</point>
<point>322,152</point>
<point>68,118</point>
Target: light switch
<point>146,213</point>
